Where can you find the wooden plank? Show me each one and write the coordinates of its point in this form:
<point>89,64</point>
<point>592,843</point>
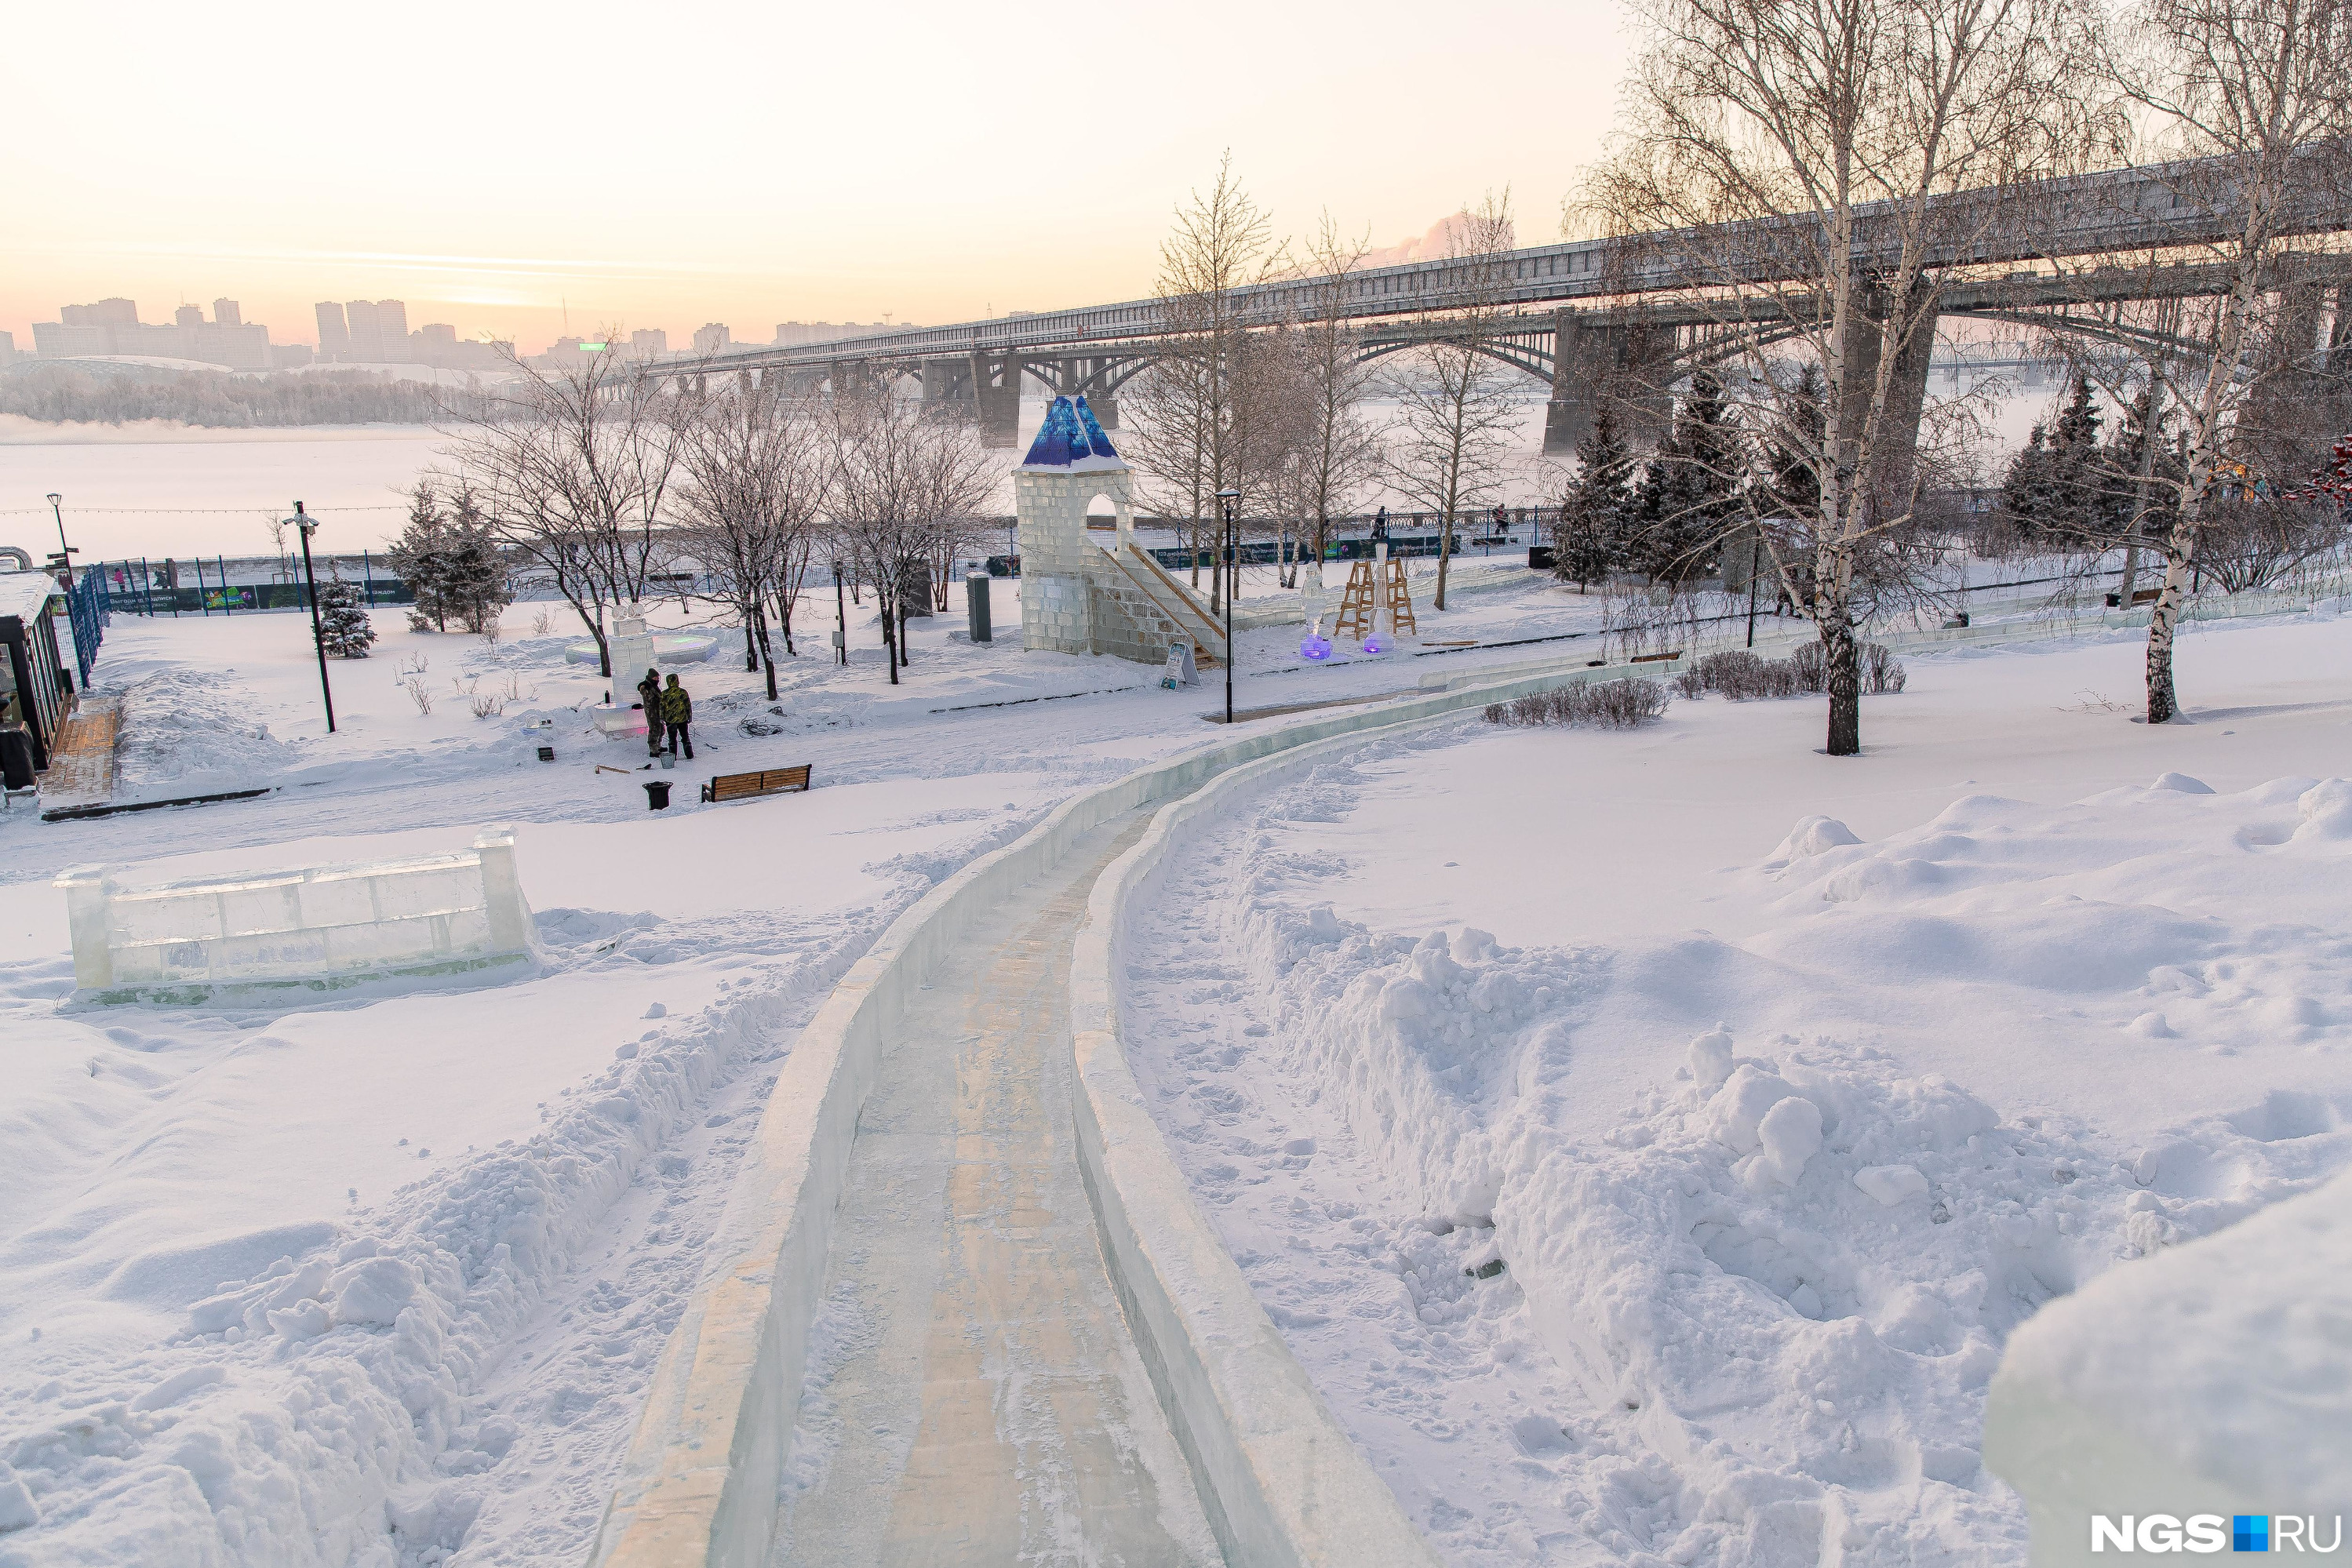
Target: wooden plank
<point>80,774</point>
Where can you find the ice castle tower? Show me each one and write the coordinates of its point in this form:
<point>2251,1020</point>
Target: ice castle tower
<point>1078,596</point>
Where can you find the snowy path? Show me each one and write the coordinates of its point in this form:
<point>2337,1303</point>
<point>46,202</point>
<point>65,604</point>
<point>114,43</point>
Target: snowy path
<point>973,1393</point>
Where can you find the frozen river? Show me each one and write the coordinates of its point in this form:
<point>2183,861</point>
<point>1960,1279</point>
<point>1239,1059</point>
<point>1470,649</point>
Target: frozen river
<point>159,490</point>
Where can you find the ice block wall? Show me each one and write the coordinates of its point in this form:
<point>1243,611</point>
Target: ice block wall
<point>323,926</point>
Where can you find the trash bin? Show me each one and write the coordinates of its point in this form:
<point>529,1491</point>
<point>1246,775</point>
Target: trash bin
<point>656,794</point>
<point>15,758</point>
<point>975,595</point>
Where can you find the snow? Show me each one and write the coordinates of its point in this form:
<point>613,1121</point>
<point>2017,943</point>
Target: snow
<point>1611,1235</point>
<point>381,1280</point>
<point>159,489</point>
<point>2256,1394</point>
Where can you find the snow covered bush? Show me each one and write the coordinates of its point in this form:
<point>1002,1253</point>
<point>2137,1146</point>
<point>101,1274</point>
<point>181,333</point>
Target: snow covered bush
<point>1612,705</point>
<point>1741,677</point>
<point>1811,667</point>
<point>1881,672</point>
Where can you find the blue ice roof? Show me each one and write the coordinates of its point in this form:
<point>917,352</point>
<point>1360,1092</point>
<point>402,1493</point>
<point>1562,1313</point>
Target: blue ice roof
<point>1072,438</point>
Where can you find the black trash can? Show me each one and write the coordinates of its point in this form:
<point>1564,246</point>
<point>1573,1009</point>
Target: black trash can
<point>656,794</point>
<point>15,758</point>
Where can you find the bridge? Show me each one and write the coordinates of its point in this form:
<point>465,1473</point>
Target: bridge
<point>1618,312</point>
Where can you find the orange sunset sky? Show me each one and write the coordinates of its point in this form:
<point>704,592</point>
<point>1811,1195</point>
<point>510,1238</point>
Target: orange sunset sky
<point>498,165</point>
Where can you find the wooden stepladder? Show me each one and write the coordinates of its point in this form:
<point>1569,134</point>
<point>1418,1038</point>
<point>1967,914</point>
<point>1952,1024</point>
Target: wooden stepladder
<point>1397,600</point>
<point>1356,606</point>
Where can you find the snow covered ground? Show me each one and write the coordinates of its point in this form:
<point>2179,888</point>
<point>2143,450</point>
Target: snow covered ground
<point>380,1280</point>
<point>1682,1217</point>
<point>219,1215</point>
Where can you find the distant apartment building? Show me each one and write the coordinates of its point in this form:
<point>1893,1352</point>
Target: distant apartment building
<point>649,343</point>
<point>711,338</point>
<point>105,313</point>
<point>436,343</point>
<point>334,332</point>
<point>8,347</point>
<point>379,331</point>
<point>792,334</point>
<point>111,326</point>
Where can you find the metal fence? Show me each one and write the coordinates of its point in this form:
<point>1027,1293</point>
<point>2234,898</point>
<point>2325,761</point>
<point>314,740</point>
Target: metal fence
<point>137,588</point>
<point>86,611</point>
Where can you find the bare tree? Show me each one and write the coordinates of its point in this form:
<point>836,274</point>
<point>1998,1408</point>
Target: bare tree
<point>756,470</point>
<point>1816,145</point>
<point>1456,416</point>
<point>2257,93</point>
<point>574,466</point>
<point>1333,455</point>
<point>1188,416</point>
<point>905,479</point>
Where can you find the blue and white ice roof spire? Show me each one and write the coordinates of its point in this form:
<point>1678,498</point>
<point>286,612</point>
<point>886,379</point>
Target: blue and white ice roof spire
<point>1071,438</point>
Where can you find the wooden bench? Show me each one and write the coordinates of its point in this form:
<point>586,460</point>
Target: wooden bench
<point>745,785</point>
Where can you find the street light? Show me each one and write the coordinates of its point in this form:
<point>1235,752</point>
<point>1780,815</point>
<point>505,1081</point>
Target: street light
<point>304,521</point>
<point>1227,499</point>
<point>841,619</point>
<point>66,552</point>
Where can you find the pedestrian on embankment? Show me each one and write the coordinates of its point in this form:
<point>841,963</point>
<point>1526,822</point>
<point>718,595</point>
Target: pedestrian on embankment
<point>649,697</point>
<point>678,712</point>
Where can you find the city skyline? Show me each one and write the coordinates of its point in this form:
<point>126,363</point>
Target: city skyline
<point>447,176</point>
<point>358,332</point>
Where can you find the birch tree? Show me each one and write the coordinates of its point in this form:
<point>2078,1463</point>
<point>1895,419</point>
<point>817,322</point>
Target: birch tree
<point>1817,146</point>
<point>2253,96</point>
<point>1333,457</point>
<point>1189,413</point>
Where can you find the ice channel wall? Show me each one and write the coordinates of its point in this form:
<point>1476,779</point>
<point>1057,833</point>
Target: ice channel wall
<point>704,1473</point>
<point>1281,1481</point>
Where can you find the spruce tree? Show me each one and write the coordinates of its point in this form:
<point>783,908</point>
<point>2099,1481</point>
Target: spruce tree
<point>2136,512</point>
<point>422,559</point>
<point>1792,488</point>
<point>2025,488</point>
<point>1689,493</point>
<point>1588,540</point>
<point>2077,507</point>
<point>476,587</point>
<point>345,630</point>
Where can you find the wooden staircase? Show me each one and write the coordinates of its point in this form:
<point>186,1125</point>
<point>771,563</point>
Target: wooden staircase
<point>1174,600</point>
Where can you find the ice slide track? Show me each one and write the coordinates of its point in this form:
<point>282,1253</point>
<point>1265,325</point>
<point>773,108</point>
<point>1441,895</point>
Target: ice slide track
<point>922,1154</point>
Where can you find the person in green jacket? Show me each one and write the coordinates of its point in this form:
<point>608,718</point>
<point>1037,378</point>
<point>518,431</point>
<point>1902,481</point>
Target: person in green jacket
<point>649,696</point>
<point>678,712</point>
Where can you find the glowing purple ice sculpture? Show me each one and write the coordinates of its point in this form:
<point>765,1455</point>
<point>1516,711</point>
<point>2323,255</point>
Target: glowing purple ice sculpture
<point>1317,646</point>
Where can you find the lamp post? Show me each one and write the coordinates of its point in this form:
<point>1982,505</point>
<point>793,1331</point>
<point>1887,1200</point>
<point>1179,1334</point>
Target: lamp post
<point>304,521</point>
<point>1227,499</point>
<point>840,618</point>
<point>66,552</point>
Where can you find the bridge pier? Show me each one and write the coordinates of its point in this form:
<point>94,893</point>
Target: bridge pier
<point>1630,364</point>
<point>945,386</point>
<point>1091,376</point>
<point>1907,394</point>
<point>996,395</point>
